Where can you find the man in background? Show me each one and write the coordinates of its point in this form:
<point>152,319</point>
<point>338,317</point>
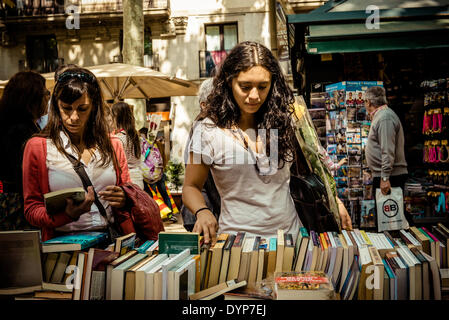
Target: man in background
<point>384,150</point>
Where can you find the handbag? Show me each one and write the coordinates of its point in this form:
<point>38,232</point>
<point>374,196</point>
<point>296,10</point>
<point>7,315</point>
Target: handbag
<point>113,229</point>
<point>309,196</point>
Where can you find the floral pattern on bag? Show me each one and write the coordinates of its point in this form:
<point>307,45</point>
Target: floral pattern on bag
<point>152,163</point>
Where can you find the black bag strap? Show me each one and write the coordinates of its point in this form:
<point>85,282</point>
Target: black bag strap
<point>79,169</point>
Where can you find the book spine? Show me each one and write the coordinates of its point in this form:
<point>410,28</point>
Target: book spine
<point>238,242</point>
<point>430,234</point>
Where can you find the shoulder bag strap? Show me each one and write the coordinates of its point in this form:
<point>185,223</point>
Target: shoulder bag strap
<point>79,169</point>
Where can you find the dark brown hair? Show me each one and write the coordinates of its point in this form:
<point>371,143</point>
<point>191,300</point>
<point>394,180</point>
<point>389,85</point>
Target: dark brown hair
<point>71,85</point>
<point>22,98</point>
<point>124,119</point>
<point>276,111</point>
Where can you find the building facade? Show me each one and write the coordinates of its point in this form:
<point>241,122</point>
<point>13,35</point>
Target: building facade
<point>186,39</point>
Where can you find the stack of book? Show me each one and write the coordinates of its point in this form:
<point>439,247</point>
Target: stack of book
<point>401,265</point>
<point>74,264</point>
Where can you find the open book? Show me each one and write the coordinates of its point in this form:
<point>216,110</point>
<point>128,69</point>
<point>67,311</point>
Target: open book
<point>56,201</point>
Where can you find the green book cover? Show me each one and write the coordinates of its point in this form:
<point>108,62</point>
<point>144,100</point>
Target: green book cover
<point>85,239</point>
<point>176,242</point>
<point>425,233</point>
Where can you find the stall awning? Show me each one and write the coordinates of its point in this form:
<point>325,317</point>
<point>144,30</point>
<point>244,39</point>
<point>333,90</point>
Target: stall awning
<point>391,35</point>
<point>339,26</point>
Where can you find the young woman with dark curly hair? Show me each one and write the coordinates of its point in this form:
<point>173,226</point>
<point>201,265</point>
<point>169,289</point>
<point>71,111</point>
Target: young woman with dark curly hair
<point>244,135</point>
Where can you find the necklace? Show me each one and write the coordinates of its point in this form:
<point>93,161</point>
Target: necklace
<point>262,163</point>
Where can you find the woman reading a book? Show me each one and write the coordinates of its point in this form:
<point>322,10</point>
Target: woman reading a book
<point>244,137</point>
<point>76,130</point>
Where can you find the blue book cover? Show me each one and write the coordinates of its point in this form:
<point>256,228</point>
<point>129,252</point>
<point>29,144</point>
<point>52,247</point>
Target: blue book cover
<point>144,247</point>
<point>85,239</point>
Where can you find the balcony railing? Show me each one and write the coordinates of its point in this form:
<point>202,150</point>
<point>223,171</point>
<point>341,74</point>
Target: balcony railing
<point>50,7</point>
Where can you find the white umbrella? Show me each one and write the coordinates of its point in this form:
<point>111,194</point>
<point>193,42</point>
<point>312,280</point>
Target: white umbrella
<point>125,81</point>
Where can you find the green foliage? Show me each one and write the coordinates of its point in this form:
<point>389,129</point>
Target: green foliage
<point>174,170</point>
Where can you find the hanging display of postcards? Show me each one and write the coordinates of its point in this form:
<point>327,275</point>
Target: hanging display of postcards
<point>347,128</point>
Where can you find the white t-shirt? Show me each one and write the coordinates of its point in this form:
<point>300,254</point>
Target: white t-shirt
<point>247,202</point>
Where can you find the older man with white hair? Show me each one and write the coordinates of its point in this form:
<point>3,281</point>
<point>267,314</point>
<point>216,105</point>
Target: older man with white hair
<point>385,147</point>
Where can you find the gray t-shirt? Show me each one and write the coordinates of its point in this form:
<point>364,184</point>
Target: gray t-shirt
<point>247,202</point>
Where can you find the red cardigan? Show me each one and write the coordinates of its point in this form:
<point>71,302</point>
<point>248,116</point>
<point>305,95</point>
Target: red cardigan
<point>36,184</point>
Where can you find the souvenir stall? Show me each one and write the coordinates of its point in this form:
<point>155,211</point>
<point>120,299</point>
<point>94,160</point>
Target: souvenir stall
<point>405,50</point>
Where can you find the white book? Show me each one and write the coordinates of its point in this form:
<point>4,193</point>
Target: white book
<point>333,255</point>
<point>417,270</point>
<point>183,281</point>
<point>79,275</point>
<point>152,248</point>
<point>345,263</point>
<point>141,275</point>
<point>411,272</point>
<point>411,238</point>
<point>167,265</point>
<point>387,244</point>
<point>118,276</point>
<point>308,261</point>
<point>357,240</point>
<point>87,278</point>
<point>153,283</point>
<point>338,260</point>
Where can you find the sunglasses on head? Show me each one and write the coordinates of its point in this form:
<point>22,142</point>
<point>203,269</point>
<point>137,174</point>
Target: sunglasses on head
<point>85,77</point>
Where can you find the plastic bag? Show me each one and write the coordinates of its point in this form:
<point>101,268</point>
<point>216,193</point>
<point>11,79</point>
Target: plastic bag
<point>390,210</point>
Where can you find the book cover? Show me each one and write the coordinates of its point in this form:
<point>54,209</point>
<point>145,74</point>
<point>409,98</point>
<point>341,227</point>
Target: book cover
<point>280,251</point>
<point>19,251</point>
<point>289,251</point>
<point>311,285</point>
<point>118,276</point>
<point>176,242</point>
<point>150,273</point>
<point>55,202</point>
<point>130,278</point>
<point>234,261</point>
<point>225,258</point>
<point>204,258</point>
<point>75,241</point>
<point>125,243</point>
<point>167,265</point>
<point>245,260</point>
<point>217,254</point>
<point>253,262</point>
<point>263,247</point>
<point>299,263</point>
<point>60,267</point>
<point>217,290</point>
<point>115,263</point>
<point>271,261</point>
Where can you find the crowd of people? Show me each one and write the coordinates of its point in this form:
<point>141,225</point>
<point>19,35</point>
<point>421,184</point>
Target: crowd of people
<point>238,156</point>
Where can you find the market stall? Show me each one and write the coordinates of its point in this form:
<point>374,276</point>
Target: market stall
<point>404,46</point>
